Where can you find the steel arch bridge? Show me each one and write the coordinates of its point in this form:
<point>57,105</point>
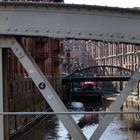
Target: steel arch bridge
<point>103,71</point>
<point>94,74</point>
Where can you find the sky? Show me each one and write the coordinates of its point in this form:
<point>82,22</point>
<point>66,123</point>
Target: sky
<point>113,3</point>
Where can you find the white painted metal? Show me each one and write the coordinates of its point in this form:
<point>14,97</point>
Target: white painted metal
<point>70,21</point>
<point>116,105</point>
<point>69,113</point>
<point>44,86</point>
<point>1,99</point>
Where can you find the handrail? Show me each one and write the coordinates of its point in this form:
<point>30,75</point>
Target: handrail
<point>69,113</point>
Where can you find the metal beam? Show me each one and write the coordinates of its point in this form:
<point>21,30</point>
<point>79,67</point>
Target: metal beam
<point>132,83</point>
<point>70,21</point>
<point>1,98</point>
<point>102,78</point>
<point>44,86</point>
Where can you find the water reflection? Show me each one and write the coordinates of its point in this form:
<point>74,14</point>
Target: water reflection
<point>123,127</point>
<point>88,119</point>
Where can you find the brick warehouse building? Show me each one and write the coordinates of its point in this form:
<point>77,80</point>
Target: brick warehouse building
<point>77,55</point>
<point>22,93</point>
<point>119,54</point>
<point>115,54</point>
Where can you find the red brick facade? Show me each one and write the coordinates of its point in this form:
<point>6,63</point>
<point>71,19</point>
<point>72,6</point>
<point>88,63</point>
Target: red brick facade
<point>22,93</point>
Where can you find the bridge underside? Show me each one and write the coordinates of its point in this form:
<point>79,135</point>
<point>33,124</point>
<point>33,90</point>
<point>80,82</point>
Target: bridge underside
<point>125,78</point>
<point>66,21</point>
<point>70,21</point>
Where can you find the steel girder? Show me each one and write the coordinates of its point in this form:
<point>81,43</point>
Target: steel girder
<point>70,21</point>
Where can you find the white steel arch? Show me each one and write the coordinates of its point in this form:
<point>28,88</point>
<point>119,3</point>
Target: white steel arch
<point>67,21</point>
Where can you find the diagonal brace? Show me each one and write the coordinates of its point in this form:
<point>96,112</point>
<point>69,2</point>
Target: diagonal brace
<point>44,86</point>
<point>132,83</point>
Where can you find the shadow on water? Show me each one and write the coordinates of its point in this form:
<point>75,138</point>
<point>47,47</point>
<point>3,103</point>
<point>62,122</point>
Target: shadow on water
<point>123,127</point>
<point>89,119</point>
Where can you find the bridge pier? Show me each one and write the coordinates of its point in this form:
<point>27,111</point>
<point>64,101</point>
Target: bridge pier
<point>121,85</point>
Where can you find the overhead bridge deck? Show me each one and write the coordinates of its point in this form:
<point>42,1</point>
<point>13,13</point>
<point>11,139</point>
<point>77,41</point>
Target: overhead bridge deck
<point>70,21</point>
<point>65,21</point>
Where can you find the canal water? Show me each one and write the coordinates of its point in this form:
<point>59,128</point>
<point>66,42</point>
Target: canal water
<point>123,127</point>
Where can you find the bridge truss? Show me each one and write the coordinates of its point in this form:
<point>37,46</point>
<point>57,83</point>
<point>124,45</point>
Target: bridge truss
<point>104,71</point>
<point>65,21</point>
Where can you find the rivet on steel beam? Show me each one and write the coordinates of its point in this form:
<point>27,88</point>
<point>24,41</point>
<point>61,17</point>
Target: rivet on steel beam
<point>16,30</point>
<point>133,37</point>
<point>20,54</point>
<point>13,44</point>
<point>6,18</point>
<point>16,49</point>
<point>36,31</point>
<point>100,34</point>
